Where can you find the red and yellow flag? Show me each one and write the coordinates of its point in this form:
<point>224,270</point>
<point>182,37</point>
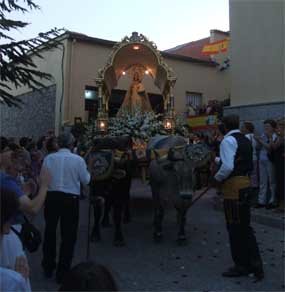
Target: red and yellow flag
<point>216,47</point>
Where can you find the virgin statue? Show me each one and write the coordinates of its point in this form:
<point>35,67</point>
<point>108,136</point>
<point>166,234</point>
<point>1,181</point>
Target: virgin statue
<point>136,97</point>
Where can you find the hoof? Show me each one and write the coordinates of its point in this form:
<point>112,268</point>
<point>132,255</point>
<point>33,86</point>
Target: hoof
<point>157,237</point>
<point>181,240</point>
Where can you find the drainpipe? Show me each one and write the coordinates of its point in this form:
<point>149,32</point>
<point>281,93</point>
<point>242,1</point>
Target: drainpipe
<point>62,89</point>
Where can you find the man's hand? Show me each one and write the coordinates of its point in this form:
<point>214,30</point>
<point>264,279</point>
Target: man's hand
<point>29,188</point>
<point>22,266</point>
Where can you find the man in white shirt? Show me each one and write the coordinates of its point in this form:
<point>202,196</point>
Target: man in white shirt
<point>68,171</point>
<point>233,176</point>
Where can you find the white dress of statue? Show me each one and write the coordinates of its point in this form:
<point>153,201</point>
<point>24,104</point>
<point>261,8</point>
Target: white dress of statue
<point>136,97</point>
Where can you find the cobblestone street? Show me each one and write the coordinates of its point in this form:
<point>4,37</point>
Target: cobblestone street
<point>145,266</point>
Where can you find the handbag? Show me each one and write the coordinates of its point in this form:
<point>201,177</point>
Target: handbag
<point>29,235</point>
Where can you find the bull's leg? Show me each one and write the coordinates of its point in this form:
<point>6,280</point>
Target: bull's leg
<point>181,237</point>
<point>107,209</point>
<point>158,218</point>
<point>127,215</point>
<point>98,208</point>
<point>117,218</point>
<point>182,206</point>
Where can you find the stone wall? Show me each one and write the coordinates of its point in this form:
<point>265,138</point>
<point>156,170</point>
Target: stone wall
<point>34,118</point>
<point>257,113</point>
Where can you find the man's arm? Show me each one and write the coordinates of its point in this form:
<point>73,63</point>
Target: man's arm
<point>84,175</point>
<point>33,206</point>
<point>228,150</point>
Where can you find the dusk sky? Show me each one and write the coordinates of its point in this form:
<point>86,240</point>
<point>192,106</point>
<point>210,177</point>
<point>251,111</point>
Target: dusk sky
<point>166,22</point>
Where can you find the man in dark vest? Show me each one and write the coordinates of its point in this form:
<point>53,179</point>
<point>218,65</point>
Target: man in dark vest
<point>233,176</point>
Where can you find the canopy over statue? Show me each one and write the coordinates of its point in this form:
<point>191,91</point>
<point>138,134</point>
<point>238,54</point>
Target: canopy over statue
<point>135,55</point>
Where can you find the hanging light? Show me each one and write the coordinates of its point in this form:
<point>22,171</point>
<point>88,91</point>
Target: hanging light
<point>102,124</point>
<point>168,123</point>
<point>124,73</point>
<point>146,72</point>
<point>136,47</point>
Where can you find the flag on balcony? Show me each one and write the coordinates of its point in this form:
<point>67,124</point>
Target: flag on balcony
<point>216,47</point>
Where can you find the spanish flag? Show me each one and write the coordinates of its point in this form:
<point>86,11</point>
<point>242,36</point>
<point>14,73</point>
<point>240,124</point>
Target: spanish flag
<point>216,47</point>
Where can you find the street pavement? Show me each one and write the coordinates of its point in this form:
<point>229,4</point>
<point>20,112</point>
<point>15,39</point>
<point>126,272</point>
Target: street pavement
<point>143,265</point>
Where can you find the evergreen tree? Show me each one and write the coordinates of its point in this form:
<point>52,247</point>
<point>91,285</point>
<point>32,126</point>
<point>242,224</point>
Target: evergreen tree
<point>16,65</point>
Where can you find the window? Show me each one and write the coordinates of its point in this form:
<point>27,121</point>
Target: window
<point>193,99</point>
<point>91,101</point>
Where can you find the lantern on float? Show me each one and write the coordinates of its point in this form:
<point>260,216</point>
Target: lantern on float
<point>102,123</point>
<point>169,123</point>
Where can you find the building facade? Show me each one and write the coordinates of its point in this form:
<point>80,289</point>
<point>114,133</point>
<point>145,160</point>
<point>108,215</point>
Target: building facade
<point>74,67</point>
<point>257,53</point>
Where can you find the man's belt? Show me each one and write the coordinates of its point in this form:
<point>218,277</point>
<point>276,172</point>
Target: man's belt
<point>232,186</point>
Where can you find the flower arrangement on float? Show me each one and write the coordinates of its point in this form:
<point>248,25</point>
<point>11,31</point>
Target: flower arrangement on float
<point>140,126</point>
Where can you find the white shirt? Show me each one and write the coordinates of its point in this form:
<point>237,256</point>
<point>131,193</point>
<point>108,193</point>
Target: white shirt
<point>228,149</point>
<point>10,248</point>
<point>13,281</point>
<point>68,170</point>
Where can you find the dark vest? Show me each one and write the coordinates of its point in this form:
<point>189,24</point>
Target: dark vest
<point>243,164</point>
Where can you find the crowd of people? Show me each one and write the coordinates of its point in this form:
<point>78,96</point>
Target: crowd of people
<point>47,173</point>
<point>267,176</point>
<point>44,174</point>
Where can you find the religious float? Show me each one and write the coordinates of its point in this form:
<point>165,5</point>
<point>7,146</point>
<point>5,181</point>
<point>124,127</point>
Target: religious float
<point>120,143</point>
<point>136,57</point>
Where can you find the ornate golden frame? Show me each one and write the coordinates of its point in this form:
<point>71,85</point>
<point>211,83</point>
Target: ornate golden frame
<point>107,80</point>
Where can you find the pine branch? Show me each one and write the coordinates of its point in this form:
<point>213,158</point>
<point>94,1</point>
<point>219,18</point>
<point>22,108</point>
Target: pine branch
<point>17,67</point>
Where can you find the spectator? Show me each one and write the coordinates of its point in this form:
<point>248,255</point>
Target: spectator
<point>3,144</point>
<point>51,145</point>
<point>248,130</point>
<point>89,276</point>
<point>41,145</point>
<point>266,170</point>
<point>13,278</point>
<point>12,165</point>
<point>278,162</point>
<point>68,171</point>
<point>24,142</point>
<point>13,146</point>
<point>36,160</point>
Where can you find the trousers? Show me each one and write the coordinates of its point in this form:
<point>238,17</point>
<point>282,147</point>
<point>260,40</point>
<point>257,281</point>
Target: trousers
<point>244,249</point>
<point>266,179</point>
<point>63,208</point>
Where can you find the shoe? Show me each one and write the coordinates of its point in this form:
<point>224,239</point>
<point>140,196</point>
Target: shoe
<point>258,206</point>
<point>235,272</point>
